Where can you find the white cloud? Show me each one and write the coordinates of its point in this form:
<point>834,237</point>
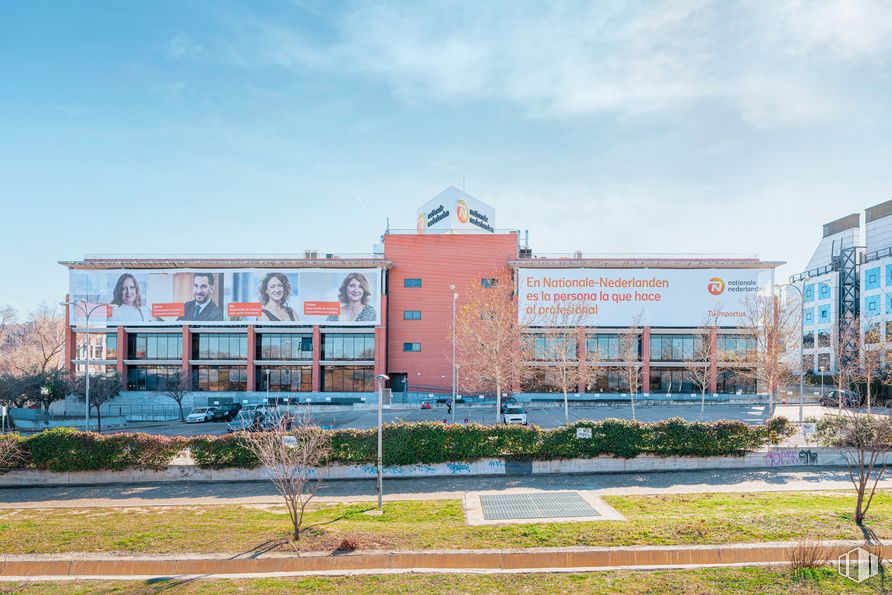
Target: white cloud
<point>182,47</point>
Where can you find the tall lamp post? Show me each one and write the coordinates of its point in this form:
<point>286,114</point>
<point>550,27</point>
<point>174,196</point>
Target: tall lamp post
<point>380,488</point>
<point>454,403</point>
<point>83,304</point>
<point>801,344</point>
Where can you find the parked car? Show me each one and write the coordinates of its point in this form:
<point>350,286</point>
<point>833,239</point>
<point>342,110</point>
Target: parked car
<point>226,412</point>
<point>515,415</point>
<point>244,420</point>
<point>200,415</point>
<point>849,399</point>
<point>507,402</point>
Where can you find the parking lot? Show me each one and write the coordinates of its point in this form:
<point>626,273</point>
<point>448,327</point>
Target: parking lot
<point>546,417</point>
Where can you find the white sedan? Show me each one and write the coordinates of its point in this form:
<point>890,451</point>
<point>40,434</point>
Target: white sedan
<point>199,415</point>
<point>515,415</point>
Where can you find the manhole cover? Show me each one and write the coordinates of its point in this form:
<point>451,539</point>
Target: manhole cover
<point>539,505</point>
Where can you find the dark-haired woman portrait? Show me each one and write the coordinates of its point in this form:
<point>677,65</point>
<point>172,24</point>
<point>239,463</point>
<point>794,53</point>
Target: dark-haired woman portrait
<point>354,296</point>
<point>275,289</point>
<point>128,299</point>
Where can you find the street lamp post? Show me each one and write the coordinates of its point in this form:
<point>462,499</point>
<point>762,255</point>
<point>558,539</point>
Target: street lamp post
<point>380,488</point>
<point>83,303</point>
<point>801,345</point>
<point>821,370</point>
<point>267,386</point>
<point>454,403</point>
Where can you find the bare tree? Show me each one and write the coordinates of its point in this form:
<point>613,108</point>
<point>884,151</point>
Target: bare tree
<point>845,357</point>
<point>36,345</point>
<point>102,390</point>
<point>294,454</point>
<point>488,342</point>
<point>10,450</point>
<point>771,322</point>
<point>561,365</point>
<point>873,356</point>
<point>700,365</point>
<point>178,391</point>
<point>865,441</point>
<point>8,317</point>
<point>629,348</point>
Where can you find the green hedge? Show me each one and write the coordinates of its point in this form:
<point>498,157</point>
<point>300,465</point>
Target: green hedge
<point>412,444</point>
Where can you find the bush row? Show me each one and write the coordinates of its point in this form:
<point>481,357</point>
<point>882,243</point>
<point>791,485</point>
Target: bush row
<point>406,444</point>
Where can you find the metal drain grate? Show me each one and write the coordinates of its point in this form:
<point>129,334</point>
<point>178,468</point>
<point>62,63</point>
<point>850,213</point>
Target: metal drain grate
<point>540,505</point>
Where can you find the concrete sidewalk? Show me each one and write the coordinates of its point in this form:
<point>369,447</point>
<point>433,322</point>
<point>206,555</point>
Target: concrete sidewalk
<point>442,488</point>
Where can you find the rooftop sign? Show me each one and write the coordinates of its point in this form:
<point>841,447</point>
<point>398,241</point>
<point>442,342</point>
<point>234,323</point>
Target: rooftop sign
<point>455,210</point>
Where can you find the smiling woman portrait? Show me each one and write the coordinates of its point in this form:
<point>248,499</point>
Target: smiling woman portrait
<point>275,289</point>
<point>128,299</point>
<point>354,296</point>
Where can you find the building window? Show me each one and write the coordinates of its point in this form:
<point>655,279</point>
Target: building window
<point>808,363</point>
<point>824,314</point>
<point>823,338</point>
<point>155,346</point>
<point>677,348</point>
<point>824,362</point>
<point>220,346</point>
<point>157,378</point>
<point>808,341</point>
<point>488,282</point>
<point>554,348</point>
<point>284,346</point>
<point>411,346</point>
<point>824,291</point>
<point>287,379</point>
<point>219,378</point>
<point>411,282</point>
<point>735,347</point>
<point>608,380</point>
<point>808,317</point>
<point>872,279</point>
<point>603,348</point>
<point>536,382</point>
<point>348,379</point>
<point>733,382</point>
<point>411,314</point>
<point>872,334</point>
<point>809,293</point>
<point>344,346</point>
<point>872,305</point>
<point>103,346</point>
<point>889,331</point>
<point>671,380</point>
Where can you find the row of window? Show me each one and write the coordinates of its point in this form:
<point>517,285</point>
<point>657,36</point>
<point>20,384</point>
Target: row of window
<point>272,378</point>
<point>611,347</point>
<point>662,380</point>
<point>416,282</point>
<point>234,346</point>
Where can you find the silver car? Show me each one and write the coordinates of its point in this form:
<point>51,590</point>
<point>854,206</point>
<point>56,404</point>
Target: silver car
<point>200,415</point>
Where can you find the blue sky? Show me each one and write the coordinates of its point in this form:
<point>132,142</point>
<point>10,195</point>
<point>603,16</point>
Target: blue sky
<point>208,127</point>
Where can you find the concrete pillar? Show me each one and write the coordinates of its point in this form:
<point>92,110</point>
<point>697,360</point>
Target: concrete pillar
<point>252,351</point>
<point>713,360</point>
<point>380,350</point>
<point>122,355</point>
<point>70,345</point>
<point>645,360</point>
<point>317,353</point>
<point>186,369</point>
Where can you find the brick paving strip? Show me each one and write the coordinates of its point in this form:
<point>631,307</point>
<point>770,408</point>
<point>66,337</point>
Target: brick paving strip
<point>508,560</point>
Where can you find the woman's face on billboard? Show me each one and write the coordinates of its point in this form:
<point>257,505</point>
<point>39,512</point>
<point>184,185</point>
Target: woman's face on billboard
<point>275,290</point>
<point>355,291</point>
<point>128,291</point>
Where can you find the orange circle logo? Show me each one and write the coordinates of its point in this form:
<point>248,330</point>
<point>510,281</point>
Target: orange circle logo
<point>462,211</point>
<point>421,224</point>
<point>715,286</point>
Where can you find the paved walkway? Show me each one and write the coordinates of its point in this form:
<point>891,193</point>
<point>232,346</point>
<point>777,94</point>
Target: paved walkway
<point>677,482</point>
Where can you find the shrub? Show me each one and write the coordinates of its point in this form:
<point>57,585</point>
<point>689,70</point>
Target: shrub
<point>428,443</point>
<point>65,449</point>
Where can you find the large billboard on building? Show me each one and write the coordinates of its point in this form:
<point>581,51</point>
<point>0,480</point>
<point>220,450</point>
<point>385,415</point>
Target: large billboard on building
<point>613,297</point>
<point>455,210</point>
<point>227,296</point>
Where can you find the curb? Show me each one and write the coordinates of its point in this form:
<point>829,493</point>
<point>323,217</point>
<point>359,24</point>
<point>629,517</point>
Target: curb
<point>643,557</point>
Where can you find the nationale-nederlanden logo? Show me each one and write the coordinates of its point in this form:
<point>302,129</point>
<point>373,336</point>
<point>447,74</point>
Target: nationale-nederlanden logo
<point>462,211</point>
<point>716,286</point>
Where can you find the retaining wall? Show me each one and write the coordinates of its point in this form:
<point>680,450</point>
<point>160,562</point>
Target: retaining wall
<point>771,458</point>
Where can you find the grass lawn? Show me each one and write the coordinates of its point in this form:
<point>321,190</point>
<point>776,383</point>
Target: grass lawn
<point>777,580</point>
<point>652,520</point>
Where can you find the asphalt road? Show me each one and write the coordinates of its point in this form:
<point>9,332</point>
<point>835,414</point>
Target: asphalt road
<point>544,417</point>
